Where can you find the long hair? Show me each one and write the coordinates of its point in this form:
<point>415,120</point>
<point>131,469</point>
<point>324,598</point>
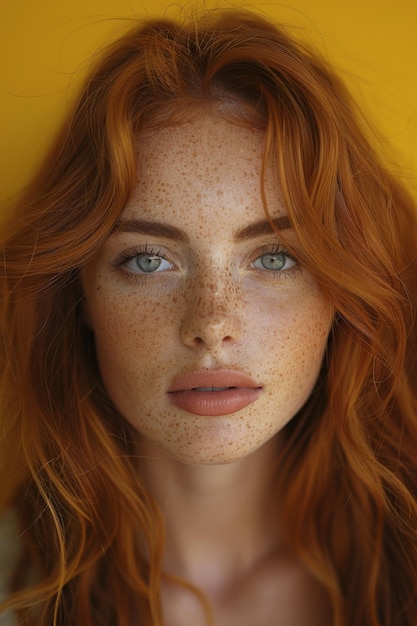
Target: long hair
<point>347,482</point>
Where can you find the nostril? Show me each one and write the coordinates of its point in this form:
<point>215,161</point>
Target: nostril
<point>212,320</point>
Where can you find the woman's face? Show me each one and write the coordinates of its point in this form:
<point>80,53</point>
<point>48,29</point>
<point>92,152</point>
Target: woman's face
<point>209,336</point>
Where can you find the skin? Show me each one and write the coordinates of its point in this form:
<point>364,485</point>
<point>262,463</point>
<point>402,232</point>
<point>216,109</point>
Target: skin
<point>212,305</point>
<point>211,309</point>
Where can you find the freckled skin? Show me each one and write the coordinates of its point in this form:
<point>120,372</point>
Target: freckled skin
<point>211,309</point>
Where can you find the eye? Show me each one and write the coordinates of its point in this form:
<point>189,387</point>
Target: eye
<point>274,260</point>
<point>147,263</point>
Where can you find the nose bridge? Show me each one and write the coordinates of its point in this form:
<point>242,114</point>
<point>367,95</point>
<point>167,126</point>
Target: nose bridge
<point>214,308</point>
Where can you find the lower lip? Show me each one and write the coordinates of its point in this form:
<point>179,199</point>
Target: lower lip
<point>214,403</point>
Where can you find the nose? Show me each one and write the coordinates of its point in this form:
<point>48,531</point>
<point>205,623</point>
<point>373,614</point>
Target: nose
<point>213,314</point>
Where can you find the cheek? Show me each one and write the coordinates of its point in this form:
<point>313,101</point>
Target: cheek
<point>294,340</point>
<point>131,337</point>
<point>308,331</point>
<point>300,319</point>
<point>130,321</point>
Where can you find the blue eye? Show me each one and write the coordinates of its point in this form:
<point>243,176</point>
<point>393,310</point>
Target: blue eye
<point>274,261</point>
<point>147,263</point>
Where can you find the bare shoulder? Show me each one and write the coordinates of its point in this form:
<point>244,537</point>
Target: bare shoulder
<point>278,591</point>
<point>9,548</point>
<point>291,593</point>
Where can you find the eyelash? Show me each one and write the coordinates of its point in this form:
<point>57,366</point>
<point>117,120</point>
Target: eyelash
<point>278,249</point>
<point>130,254</point>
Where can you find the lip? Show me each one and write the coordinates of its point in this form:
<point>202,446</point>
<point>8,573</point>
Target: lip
<point>233,392</point>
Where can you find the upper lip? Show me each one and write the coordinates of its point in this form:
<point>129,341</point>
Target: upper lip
<point>212,378</point>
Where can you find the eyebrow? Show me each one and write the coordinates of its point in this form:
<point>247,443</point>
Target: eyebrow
<point>262,227</point>
<point>168,231</point>
<point>150,227</point>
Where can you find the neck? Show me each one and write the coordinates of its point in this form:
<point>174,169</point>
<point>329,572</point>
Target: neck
<point>219,520</point>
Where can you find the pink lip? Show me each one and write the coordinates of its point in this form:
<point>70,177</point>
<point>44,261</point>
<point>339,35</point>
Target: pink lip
<point>241,391</point>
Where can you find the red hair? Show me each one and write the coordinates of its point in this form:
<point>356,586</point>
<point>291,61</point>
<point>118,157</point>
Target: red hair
<point>67,464</point>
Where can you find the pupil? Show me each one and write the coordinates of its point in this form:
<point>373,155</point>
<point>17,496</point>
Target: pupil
<point>148,263</point>
<point>273,261</point>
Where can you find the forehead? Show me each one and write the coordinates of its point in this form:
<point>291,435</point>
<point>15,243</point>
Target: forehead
<point>204,132</point>
<point>207,163</point>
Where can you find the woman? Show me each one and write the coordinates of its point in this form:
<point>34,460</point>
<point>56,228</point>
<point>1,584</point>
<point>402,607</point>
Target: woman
<point>209,369</point>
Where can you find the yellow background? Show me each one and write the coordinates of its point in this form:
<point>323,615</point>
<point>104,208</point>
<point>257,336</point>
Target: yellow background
<point>45,46</point>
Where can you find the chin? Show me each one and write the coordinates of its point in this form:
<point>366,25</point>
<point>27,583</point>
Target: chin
<point>209,455</point>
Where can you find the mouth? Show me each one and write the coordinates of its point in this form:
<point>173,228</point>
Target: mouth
<point>212,388</point>
<point>213,392</point>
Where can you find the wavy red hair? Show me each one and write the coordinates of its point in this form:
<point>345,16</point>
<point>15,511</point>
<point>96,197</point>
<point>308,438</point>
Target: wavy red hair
<point>347,483</point>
